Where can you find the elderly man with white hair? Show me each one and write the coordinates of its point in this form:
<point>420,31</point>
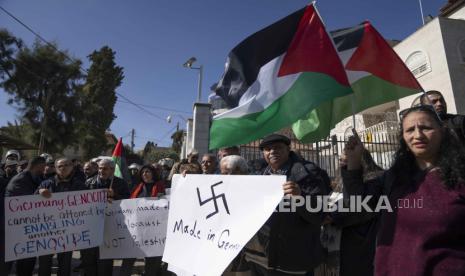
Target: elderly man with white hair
<point>233,164</point>
<point>117,189</point>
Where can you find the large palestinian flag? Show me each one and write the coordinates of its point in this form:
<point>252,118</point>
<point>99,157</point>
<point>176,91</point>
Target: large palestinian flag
<point>275,77</point>
<point>376,74</point>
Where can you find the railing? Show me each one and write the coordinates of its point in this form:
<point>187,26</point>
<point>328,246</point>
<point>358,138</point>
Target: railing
<point>325,153</point>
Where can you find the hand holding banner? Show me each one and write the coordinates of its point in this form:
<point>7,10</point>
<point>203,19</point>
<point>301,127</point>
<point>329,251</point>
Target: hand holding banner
<point>36,226</point>
<point>212,217</point>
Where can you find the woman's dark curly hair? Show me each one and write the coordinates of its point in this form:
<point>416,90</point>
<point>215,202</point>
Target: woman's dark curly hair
<point>451,160</point>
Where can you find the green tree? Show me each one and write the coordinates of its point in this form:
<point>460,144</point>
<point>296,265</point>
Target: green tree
<point>44,87</point>
<point>99,99</point>
<point>155,156</point>
<point>19,130</point>
<point>9,45</point>
<point>152,153</point>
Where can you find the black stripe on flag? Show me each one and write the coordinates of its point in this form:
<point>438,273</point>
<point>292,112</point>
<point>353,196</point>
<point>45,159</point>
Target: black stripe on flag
<point>348,38</point>
<point>245,60</point>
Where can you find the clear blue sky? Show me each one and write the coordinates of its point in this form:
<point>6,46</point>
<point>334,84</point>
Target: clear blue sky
<point>153,38</point>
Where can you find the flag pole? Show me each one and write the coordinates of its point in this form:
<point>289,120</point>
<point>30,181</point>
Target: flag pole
<point>421,11</point>
<point>352,97</point>
<point>334,45</point>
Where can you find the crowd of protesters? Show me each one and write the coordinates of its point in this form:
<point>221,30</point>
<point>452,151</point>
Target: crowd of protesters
<point>428,165</point>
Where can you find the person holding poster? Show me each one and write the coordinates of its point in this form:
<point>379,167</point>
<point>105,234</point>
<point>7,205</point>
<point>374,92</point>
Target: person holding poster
<point>26,183</point>
<point>65,180</point>
<point>151,186</point>
<point>289,242</point>
<point>117,189</point>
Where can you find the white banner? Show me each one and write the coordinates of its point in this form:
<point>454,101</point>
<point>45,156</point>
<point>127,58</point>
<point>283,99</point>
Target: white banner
<point>135,228</point>
<point>35,225</point>
<point>212,217</point>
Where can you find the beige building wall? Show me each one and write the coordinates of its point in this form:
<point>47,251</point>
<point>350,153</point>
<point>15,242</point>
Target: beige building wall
<point>434,41</point>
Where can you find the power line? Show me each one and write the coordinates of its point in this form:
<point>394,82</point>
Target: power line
<point>21,63</point>
<point>70,59</point>
<point>161,108</point>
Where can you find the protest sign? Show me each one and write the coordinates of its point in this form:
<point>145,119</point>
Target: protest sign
<point>135,228</point>
<point>212,217</point>
<point>36,226</point>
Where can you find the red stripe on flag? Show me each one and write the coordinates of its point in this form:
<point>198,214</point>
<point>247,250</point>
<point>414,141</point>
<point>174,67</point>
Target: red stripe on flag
<point>118,148</point>
<point>376,56</point>
<point>312,50</point>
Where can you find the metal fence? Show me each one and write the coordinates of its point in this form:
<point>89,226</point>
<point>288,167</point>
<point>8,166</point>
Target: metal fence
<point>325,153</point>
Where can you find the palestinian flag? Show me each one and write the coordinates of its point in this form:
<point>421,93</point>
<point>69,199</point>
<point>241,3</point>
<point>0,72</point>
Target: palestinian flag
<point>121,168</point>
<point>275,77</point>
<point>376,74</point>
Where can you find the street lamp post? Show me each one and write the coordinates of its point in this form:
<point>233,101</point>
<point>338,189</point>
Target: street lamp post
<point>188,64</point>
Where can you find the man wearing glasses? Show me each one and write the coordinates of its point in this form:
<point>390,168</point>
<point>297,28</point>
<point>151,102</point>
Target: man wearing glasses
<point>65,180</point>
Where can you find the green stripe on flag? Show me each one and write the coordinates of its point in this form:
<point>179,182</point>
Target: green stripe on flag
<point>369,91</point>
<point>308,91</point>
<point>118,171</point>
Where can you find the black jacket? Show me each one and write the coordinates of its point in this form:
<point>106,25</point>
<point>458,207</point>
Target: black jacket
<point>294,243</point>
<point>22,184</point>
<point>55,185</point>
<point>457,124</point>
<point>119,186</point>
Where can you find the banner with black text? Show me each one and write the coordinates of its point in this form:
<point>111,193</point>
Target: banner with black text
<point>36,226</point>
<point>135,228</point>
<point>212,217</point>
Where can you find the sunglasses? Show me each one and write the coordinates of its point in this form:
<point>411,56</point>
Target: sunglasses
<point>423,108</point>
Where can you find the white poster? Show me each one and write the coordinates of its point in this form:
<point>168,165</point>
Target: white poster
<point>35,225</point>
<point>135,228</point>
<point>212,217</point>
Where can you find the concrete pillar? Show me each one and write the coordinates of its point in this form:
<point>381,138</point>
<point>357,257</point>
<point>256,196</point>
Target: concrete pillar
<point>201,130</point>
<point>189,135</point>
<point>183,153</point>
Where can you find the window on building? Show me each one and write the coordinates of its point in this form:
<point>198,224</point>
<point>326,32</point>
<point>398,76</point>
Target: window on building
<point>418,63</point>
<point>462,51</point>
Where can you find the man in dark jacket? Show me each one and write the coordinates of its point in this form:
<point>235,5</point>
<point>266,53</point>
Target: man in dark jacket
<point>117,189</point>
<point>90,169</point>
<point>65,180</point>
<point>289,242</point>
<point>4,267</point>
<point>453,121</point>
<point>26,183</point>
<point>50,170</point>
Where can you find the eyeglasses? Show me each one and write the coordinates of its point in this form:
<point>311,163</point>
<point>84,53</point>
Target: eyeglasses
<point>425,108</point>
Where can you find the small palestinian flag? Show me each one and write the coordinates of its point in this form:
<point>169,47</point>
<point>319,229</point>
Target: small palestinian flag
<point>121,168</point>
<point>275,77</point>
<point>376,74</point>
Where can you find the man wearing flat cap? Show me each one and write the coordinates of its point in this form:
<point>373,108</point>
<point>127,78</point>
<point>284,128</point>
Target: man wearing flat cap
<point>289,242</point>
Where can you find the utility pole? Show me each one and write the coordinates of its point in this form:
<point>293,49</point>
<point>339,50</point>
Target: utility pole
<point>133,133</point>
